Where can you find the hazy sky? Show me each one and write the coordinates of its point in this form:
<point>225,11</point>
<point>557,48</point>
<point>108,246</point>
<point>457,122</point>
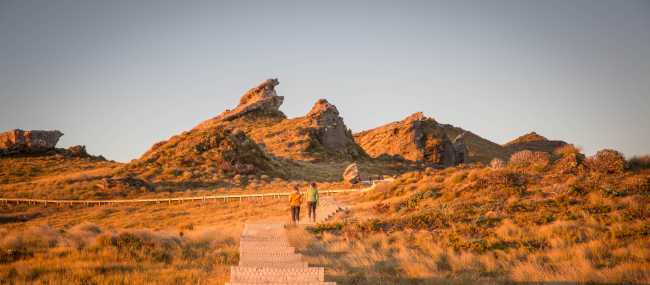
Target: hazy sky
<point>118,76</point>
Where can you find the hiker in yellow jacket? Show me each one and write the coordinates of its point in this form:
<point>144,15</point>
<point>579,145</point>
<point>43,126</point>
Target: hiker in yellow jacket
<point>295,200</point>
<point>312,201</point>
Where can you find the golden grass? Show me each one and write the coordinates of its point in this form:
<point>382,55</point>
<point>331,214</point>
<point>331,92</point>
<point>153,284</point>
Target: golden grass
<point>517,224</point>
<point>191,243</point>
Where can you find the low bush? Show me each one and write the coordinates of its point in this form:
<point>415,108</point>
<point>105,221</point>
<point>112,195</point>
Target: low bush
<point>607,161</point>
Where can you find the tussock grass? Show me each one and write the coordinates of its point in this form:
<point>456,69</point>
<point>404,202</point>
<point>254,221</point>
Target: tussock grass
<point>564,222</point>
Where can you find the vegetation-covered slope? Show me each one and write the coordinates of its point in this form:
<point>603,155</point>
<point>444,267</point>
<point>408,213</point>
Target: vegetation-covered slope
<point>586,221</point>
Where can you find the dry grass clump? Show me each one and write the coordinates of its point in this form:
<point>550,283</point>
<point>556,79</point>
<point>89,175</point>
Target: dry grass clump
<point>569,161</point>
<point>607,161</point>
<point>529,159</point>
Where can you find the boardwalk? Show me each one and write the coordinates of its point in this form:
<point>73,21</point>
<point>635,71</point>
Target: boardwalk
<point>266,257</point>
<point>177,200</point>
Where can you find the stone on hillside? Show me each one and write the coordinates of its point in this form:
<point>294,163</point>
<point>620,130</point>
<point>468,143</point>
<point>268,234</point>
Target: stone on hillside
<point>77,151</point>
<point>351,174</point>
<point>20,141</point>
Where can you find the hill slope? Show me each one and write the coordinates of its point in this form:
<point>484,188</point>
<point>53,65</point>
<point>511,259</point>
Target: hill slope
<point>416,138</point>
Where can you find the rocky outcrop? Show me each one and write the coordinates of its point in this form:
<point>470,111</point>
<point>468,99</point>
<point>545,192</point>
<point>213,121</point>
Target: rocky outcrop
<point>351,174</point>
<point>416,138</point>
<point>320,135</point>
<point>20,141</point>
<point>261,99</point>
<point>331,132</point>
<point>533,142</point>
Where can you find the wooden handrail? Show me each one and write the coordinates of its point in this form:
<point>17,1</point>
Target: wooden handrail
<point>178,199</point>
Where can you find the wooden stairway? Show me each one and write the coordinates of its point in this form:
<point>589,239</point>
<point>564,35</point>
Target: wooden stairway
<point>266,256</point>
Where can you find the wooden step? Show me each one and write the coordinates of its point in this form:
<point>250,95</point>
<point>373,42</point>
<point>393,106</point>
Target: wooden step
<point>268,274</point>
<point>273,264</point>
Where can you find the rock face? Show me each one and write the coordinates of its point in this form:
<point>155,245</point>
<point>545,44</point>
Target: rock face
<point>416,138</point>
<point>330,129</point>
<point>533,142</point>
<point>19,141</point>
<point>260,100</point>
<point>351,174</point>
<point>319,135</point>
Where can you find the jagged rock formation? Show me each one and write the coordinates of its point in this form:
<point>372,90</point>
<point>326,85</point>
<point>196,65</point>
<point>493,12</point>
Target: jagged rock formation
<point>20,141</point>
<point>260,100</point>
<point>416,138</point>
<point>533,142</point>
<point>319,135</point>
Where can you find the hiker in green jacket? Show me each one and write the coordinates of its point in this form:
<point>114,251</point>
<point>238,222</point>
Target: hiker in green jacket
<point>312,201</point>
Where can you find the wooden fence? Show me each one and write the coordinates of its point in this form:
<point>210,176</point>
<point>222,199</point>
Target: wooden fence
<point>176,200</point>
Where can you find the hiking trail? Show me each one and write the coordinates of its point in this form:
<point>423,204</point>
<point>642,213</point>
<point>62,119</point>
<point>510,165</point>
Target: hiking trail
<point>266,257</point>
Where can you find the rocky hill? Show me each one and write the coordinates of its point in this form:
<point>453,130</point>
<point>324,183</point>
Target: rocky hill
<point>416,138</point>
<point>204,155</point>
<point>254,138</point>
<point>534,142</point>
<point>320,135</point>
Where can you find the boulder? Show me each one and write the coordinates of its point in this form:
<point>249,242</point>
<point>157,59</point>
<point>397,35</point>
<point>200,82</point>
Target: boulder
<point>77,151</point>
<point>20,141</point>
<point>351,174</point>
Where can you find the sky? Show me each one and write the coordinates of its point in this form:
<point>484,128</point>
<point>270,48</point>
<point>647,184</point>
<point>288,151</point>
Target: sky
<point>119,76</point>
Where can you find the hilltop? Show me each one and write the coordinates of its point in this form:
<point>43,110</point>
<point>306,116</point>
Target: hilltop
<point>534,142</point>
<point>416,138</point>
